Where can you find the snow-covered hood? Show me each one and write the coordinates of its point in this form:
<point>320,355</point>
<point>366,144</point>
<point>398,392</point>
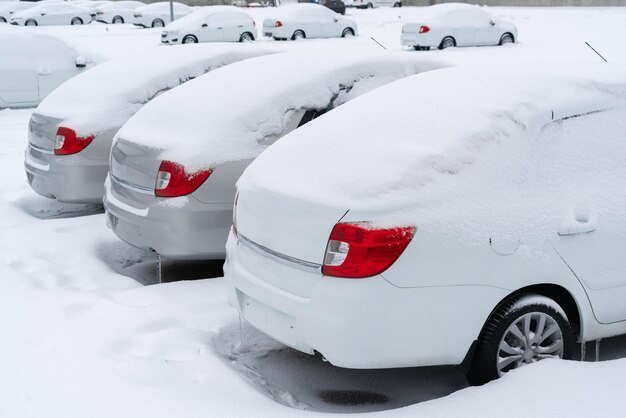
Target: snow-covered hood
<point>443,142</point>
<point>236,112</point>
<point>108,95</point>
<point>196,18</point>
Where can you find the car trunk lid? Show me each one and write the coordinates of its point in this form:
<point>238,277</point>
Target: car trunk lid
<point>42,131</point>
<point>135,166</point>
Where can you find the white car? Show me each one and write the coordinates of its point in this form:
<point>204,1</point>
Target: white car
<point>370,4</point>
<point>448,25</point>
<point>211,24</point>
<point>33,64</point>
<point>468,216</point>
<point>117,12</point>
<point>157,15</point>
<point>7,9</point>
<point>92,5</point>
<point>50,14</point>
<point>307,20</point>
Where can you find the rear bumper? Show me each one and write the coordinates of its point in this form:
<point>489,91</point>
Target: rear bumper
<point>418,39</point>
<point>193,231</point>
<point>354,323</point>
<point>69,178</point>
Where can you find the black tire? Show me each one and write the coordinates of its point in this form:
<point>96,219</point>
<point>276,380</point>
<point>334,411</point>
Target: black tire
<point>117,20</point>
<point>31,22</point>
<point>397,4</point>
<point>484,367</point>
<point>2,20</point>
<point>76,21</point>
<point>507,38</point>
<point>299,34</point>
<point>369,6</point>
<point>246,37</point>
<point>189,39</point>
<point>158,23</point>
<point>347,32</point>
<point>447,42</point>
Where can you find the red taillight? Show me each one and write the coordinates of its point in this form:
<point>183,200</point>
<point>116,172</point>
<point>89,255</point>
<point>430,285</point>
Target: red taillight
<point>66,142</point>
<point>278,24</point>
<point>173,180</point>
<point>357,250</point>
<point>424,29</point>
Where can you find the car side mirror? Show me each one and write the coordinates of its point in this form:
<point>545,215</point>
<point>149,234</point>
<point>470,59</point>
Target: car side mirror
<point>81,62</point>
<point>204,25</point>
<point>492,22</point>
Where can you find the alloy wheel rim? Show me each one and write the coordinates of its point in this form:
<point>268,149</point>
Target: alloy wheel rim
<point>507,40</point>
<point>532,337</point>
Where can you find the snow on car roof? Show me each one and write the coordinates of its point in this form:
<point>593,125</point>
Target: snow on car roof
<point>441,10</point>
<point>236,112</point>
<point>45,7</point>
<point>23,49</point>
<point>107,95</point>
<point>451,139</point>
<point>201,14</point>
<point>296,9</point>
<point>159,6</point>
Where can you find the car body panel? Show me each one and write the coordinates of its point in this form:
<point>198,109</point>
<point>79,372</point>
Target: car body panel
<point>123,9</point>
<point>50,14</point>
<point>314,20</point>
<point>146,15</point>
<point>210,24</point>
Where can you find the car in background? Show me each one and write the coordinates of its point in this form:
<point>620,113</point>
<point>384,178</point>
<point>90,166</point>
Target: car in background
<point>449,25</point>
<point>157,15</point>
<point>50,14</point>
<point>92,5</point>
<point>7,9</point>
<point>370,4</point>
<point>70,133</point>
<point>337,6</point>
<point>299,21</point>
<point>211,24</point>
<point>117,12</point>
<point>403,240</point>
<point>171,184</point>
<point>33,64</point>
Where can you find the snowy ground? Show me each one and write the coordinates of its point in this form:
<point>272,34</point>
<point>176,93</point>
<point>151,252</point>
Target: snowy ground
<point>84,336</point>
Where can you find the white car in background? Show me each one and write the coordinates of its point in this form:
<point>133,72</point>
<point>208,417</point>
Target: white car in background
<point>33,64</point>
<point>51,14</point>
<point>462,229</point>
<point>449,25</point>
<point>7,9</point>
<point>92,5</point>
<point>307,20</point>
<point>157,15</point>
<point>211,24</point>
<point>370,4</point>
<point>117,12</point>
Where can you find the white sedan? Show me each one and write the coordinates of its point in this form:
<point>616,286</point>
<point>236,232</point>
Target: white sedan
<point>448,25</point>
<point>50,14</point>
<point>117,12</point>
<point>7,9</point>
<point>211,24</point>
<point>157,15</point>
<point>370,4</point>
<point>307,20</point>
<point>92,5</point>
<point>482,225</point>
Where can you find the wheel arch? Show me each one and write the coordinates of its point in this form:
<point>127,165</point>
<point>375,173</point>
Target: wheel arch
<point>509,33</point>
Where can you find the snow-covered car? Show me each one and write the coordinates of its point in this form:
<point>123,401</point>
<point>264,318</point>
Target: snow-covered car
<point>50,14</point>
<point>117,12</point>
<point>70,133</point>
<point>33,64</point>
<point>298,21</point>
<point>467,216</point>
<point>92,5</point>
<point>336,6</point>
<point>7,9</point>
<point>448,25</point>
<point>174,164</point>
<point>211,24</point>
<point>370,4</point>
<point>157,15</point>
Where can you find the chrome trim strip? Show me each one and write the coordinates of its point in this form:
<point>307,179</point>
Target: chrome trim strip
<point>135,187</point>
<point>41,150</point>
<point>278,256</point>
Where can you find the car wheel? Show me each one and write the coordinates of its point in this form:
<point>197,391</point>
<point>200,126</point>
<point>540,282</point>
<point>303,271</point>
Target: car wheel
<point>76,21</point>
<point>507,38</point>
<point>523,330</point>
<point>190,39</point>
<point>2,20</point>
<point>246,37</point>
<point>347,32</point>
<point>118,19</point>
<point>369,6</point>
<point>158,23</point>
<point>397,4</point>
<point>421,48</point>
<point>30,22</point>
<point>447,42</point>
<point>298,35</point>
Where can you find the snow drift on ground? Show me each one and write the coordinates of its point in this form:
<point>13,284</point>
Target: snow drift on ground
<point>108,95</point>
<point>239,110</point>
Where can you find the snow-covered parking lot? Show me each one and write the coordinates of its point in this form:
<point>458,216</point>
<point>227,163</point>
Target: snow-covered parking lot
<point>86,331</point>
